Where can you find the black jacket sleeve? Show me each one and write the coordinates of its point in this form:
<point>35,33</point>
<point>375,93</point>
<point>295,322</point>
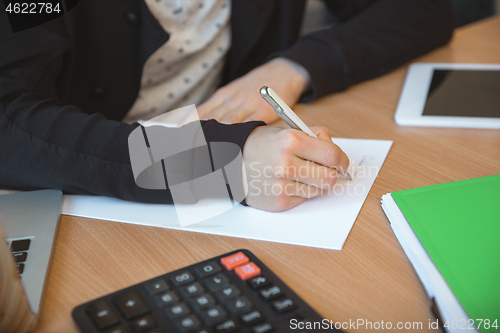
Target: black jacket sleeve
<point>46,143</point>
<point>374,37</point>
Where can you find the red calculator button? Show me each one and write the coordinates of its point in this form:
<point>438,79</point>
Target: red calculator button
<point>235,260</point>
<point>247,271</point>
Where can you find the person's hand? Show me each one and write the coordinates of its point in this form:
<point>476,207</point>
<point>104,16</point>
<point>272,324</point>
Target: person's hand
<point>240,100</point>
<point>285,167</point>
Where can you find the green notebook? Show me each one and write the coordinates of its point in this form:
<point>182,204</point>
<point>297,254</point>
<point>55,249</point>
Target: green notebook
<point>459,226</point>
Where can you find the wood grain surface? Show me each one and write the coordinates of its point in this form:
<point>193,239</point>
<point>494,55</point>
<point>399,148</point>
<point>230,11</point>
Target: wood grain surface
<point>370,279</point>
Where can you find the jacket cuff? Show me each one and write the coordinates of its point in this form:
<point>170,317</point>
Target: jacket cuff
<point>235,133</point>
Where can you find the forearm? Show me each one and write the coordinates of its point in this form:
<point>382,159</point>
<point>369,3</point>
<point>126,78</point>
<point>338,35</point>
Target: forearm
<point>379,38</point>
<point>47,145</point>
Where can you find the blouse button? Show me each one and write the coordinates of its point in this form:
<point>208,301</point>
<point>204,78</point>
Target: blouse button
<point>98,92</point>
<point>132,18</point>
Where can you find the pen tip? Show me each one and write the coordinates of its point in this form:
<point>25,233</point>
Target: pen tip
<point>347,176</point>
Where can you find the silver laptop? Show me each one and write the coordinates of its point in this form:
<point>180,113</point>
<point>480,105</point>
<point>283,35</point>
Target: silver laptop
<point>30,221</point>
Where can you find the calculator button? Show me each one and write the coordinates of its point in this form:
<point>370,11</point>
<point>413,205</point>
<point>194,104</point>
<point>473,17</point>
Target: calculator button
<point>251,318</point>
<point>263,328</point>
<point>142,324</point>
<point>213,315</point>
<point>239,305</point>
<point>20,245</point>
<point>247,271</point>
<point>182,278</point>
<point>202,301</point>
<point>227,326</point>
<point>227,293</point>
<point>188,324</point>
<point>131,305</point>
<point>157,287</point>
<point>283,305</point>
<point>270,293</point>
<point>20,256</point>
<point>20,268</point>
<point>168,298</point>
<point>302,318</point>
<point>119,329</point>
<point>177,310</point>
<point>216,282</point>
<point>234,260</point>
<point>192,290</point>
<point>102,315</point>
<point>259,282</point>
<point>207,269</point>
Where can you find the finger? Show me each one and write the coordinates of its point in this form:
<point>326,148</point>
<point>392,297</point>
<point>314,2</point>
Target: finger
<point>309,173</point>
<point>217,114</point>
<point>211,104</point>
<point>262,115</point>
<point>252,117</point>
<point>228,106</point>
<point>301,190</point>
<point>235,116</point>
<point>275,202</point>
<point>322,152</point>
<point>257,114</point>
<point>289,203</point>
<point>322,133</point>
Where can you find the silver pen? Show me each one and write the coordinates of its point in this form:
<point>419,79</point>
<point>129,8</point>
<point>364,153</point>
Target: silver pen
<point>288,116</point>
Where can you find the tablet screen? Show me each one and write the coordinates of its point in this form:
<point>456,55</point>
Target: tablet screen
<point>464,93</point>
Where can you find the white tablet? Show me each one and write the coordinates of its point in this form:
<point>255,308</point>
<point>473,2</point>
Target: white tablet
<point>450,95</point>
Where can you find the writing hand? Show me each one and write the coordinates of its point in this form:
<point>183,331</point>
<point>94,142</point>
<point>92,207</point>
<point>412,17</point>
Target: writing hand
<point>285,167</point>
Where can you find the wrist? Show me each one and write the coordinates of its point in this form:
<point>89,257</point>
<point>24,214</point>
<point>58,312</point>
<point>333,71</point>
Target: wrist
<point>300,78</point>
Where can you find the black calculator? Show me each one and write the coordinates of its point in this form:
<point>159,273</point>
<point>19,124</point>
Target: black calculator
<point>234,292</point>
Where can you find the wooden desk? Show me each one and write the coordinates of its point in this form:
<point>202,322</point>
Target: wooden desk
<point>370,279</point>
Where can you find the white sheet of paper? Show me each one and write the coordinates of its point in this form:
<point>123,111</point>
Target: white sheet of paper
<point>323,222</point>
